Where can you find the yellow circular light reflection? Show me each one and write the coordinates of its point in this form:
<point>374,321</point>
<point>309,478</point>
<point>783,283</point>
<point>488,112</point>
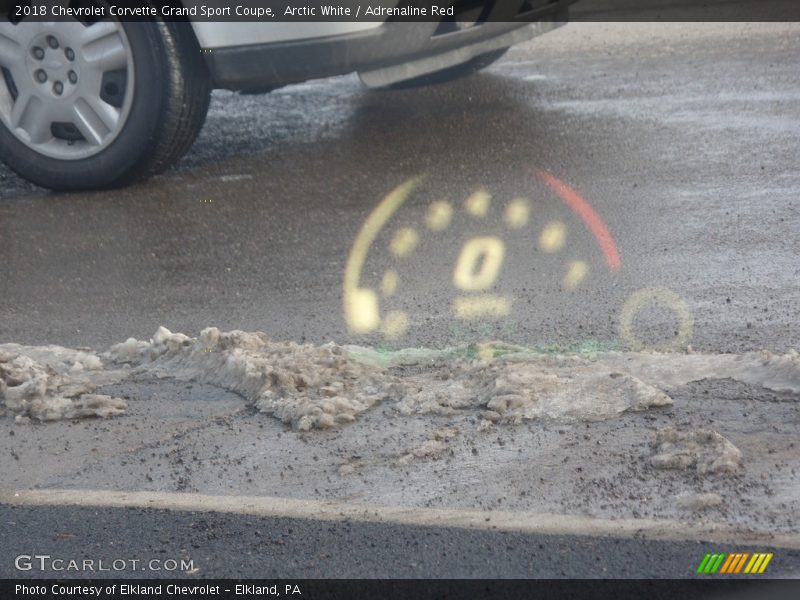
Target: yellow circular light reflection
<point>641,298</point>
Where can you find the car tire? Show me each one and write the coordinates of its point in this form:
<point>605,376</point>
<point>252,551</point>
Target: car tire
<point>451,73</point>
<point>120,139</point>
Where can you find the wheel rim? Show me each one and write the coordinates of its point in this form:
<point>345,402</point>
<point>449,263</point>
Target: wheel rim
<point>65,88</point>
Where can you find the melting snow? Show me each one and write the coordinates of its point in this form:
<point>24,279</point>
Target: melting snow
<point>305,385</point>
<point>48,383</point>
<point>431,448</point>
<point>315,387</point>
<point>779,372</point>
<point>702,450</point>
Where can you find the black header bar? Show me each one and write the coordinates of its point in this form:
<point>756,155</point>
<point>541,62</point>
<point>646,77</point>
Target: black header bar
<point>293,11</point>
<point>383,589</point>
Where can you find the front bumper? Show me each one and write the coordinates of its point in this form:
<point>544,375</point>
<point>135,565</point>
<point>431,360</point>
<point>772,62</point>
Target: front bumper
<point>391,52</point>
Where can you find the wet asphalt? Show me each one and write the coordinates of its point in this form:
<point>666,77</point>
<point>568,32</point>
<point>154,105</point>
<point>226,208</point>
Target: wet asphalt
<point>682,138</point>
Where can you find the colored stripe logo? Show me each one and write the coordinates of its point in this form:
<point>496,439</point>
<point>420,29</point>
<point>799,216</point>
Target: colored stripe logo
<point>735,563</point>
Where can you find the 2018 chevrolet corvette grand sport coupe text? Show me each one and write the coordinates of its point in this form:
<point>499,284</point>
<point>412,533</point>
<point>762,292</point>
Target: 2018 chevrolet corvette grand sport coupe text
<point>90,102</point>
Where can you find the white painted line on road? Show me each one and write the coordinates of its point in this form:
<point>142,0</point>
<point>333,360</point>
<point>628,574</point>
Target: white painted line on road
<point>526,522</point>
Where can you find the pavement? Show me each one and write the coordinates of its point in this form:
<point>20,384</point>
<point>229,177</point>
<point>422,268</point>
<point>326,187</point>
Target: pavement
<point>221,544</point>
<point>680,138</point>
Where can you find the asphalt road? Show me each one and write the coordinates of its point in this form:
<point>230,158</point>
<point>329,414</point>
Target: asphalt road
<point>242,546</point>
<point>682,138</point>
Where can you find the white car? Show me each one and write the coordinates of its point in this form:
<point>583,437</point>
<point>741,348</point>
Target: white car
<point>100,103</point>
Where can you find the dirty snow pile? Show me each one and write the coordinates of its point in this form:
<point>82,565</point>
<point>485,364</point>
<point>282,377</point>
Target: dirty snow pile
<point>316,387</point>
<point>702,450</point>
<point>431,448</point>
<point>778,372</point>
<point>562,388</point>
<point>571,389</point>
<point>50,383</point>
<point>310,387</point>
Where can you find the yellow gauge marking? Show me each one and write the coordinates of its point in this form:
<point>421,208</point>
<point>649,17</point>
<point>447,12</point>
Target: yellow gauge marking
<point>483,305</point>
<point>552,237</point>
<point>361,307</point>
<point>389,283</point>
<point>479,263</point>
<point>439,215</point>
<point>516,214</point>
<point>395,324</point>
<point>668,298</point>
<point>575,274</point>
<point>478,203</point>
<point>404,242</point>
<point>363,312</point>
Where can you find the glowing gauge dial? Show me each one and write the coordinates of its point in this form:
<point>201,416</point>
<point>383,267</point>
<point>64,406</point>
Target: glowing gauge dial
<point>477,262</point>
